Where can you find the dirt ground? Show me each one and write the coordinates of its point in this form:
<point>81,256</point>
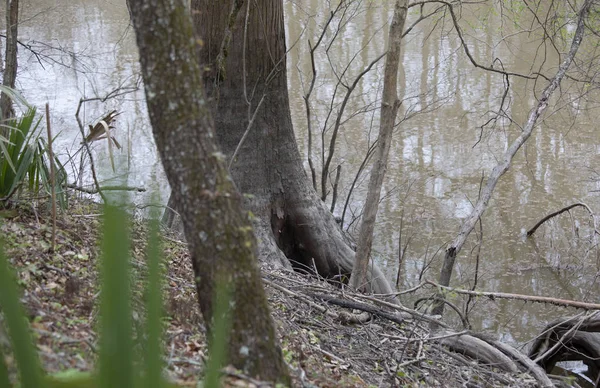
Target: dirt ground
<point>324,344</point>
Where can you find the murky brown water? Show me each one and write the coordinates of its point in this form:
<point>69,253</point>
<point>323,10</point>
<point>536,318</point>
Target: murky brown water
<point>437,158</point>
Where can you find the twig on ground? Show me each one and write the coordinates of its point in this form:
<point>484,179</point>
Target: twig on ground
<point>99,189</point>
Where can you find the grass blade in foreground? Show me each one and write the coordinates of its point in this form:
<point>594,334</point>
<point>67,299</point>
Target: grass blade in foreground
<point>153,352</point>
<point>18,328</point>
<point>116,345</point>
<point>218,341</point>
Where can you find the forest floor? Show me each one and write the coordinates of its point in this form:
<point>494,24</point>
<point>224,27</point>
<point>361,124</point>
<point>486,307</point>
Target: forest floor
<point>325,345</point>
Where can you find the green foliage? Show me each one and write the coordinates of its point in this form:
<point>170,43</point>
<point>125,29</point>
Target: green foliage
<point>116,345</point>
<point>153,351</point>
<point>116,366</point>
<point>218,341</point>
<point>23,155</point>
<point>116,362</point>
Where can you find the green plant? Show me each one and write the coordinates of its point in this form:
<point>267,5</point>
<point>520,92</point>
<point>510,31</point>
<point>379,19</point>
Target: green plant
<point>23,155</point>
<point>117,364</point>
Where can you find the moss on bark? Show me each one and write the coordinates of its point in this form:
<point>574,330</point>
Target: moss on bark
<point>222,244</point>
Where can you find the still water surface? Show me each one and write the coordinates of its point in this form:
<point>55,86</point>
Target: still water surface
<point>86,49</point>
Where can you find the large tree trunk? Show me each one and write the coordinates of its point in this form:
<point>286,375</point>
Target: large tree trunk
<point>10,70</point>
<point>291,222</point>
<point>389,110</point>
<point>222,245</point>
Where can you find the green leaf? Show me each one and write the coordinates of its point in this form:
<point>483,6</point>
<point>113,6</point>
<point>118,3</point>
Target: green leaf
<point>116,345</point>
<point>153,350</point>
<point>220,329</point>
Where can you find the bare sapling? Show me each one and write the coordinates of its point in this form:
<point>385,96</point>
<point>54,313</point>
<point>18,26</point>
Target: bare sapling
<point>389,110</point>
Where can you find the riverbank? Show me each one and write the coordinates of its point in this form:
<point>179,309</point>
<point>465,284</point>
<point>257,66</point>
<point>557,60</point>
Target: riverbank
<point>329,338</point>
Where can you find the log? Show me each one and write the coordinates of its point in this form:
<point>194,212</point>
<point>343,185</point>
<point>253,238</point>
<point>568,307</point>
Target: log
<point>570,339</point>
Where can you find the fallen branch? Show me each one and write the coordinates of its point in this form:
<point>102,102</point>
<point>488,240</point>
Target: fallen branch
<point>528,298</point>
<point>564,209</point>
<point>532,368</point>
<point>570,339</point>
<point>359,306</point>
<point>104,188</point>
<point>480,350</point>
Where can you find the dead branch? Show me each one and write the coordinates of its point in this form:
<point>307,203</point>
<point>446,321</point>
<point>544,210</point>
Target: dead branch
<point>503,165</point>
<point>52,177</point>
<point>306,97</point>
<point>336,128</point>
<point>358,306</point>
<point>532,368</point>
<point>556,213</point>
<point>569,339</point>
<point>480,350</point>
<point>104,188</point>
<point>528,298</point>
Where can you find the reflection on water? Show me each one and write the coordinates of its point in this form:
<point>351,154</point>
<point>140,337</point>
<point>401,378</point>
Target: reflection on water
<point>437,159</point>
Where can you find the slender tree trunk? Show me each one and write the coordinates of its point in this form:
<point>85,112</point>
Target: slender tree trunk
<point>222,245</point>
<point>389,110</point>
<point>486,194</point>
<point>292,224</point>
<point>10,70</point>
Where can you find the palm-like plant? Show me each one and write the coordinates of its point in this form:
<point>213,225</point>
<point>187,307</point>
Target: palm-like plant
<point>23,155</point>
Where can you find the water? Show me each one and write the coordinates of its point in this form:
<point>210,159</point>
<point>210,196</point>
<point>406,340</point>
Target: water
<point>437,159</point>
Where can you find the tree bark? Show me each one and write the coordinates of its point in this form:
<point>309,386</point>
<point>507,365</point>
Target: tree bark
<point>222,245</point>
<point>389,110</point>
<point>292,224</point>
<point>10,70</point>
<point>486,194</point>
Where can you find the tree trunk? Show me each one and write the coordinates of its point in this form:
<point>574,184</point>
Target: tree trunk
<point>10,70</point>
<point>291,222</point>
<point>389,110</point>
<point>222,245</point>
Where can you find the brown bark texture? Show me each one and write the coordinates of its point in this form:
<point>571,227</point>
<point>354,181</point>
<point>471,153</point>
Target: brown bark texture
<point>10,69</point>
<point>222,245</point>
<point>486,193</point>
<point>389,110</point>
<point>292,224</point>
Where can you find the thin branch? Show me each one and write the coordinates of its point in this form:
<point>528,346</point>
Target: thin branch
<point>52,178</point>
<point>528,298</point>
<point>104,188</point>
<point>556,213</point>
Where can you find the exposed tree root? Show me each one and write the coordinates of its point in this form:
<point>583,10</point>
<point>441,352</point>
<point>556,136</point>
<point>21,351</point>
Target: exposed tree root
<point>570,339</point>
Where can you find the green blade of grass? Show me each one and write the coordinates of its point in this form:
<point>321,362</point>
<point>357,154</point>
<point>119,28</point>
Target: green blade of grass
<point>18,327</point>
<point>220,330</point>
<point>116,345</point>
<point>153,354</point>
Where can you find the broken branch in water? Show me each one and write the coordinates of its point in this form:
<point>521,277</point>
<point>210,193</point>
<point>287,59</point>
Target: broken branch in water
<point>564,209</point>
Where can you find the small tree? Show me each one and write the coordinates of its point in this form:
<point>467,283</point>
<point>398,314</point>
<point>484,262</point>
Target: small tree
<point>389,110</point>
